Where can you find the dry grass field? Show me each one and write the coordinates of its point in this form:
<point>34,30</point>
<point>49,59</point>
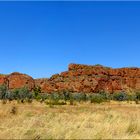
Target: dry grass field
<point>81,121</point>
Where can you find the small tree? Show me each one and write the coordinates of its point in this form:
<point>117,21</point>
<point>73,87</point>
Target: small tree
<point>67,95</point>
<point>37,91</point>
<point>21,94</point>
<point>79,97</point>
<point>106,95</point>
<point>9,96</point>
<point>137,99</point>
<point>16,94</point>
<point>3,91</point>
<point>120,96</point>
<point>97,98</point>
<point>138,95</point>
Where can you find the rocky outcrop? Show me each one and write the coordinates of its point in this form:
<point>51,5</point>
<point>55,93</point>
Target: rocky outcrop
<point>85,78</point>
<point>3,79</point>
<point>17,80</point>
<point>80,78</point>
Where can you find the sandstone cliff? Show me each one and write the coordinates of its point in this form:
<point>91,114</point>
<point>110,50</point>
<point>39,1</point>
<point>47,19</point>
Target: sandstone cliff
<point>80,78</point>
<point>84,78</point>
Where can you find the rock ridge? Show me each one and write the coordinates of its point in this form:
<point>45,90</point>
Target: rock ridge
<point>79,78</point>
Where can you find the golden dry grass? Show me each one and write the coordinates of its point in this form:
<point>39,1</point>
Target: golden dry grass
<point>82,121</point>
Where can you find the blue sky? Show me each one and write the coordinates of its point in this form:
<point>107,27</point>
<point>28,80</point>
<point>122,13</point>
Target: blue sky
<point>42,38</point>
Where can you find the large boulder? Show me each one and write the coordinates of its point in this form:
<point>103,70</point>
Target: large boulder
<point>19,80</point>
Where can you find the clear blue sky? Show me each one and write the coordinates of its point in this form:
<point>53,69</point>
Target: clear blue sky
<point>42,38</point>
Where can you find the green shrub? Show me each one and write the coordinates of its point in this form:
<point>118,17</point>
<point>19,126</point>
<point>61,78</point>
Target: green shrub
<point>15,94</point>
<point>44,96</point>
<point>120,96</point>
<point>38,97</point>
<point>55,97</point>
<point>36,91</point>
<point>7,95</point>
<point>66,94</point>
<point>60,98</point>
<point>21,94</point>
<point>131,97</point>
<point>24,92</point>
<point>97,98</point>
<point>105,95</point>
<point>3,91</point>
<point>138,95</point>
<point>78,97</point>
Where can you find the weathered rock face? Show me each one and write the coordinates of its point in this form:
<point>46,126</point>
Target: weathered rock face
<point>3,80</point>
<point>17,80</point>
<point>79,78</point>
<point>84,78</point>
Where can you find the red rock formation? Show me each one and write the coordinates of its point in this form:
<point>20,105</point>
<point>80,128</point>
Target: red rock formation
<point>3,80</point>
<point>84,78</point>
<point>17,80</point>
<point>80,78</point>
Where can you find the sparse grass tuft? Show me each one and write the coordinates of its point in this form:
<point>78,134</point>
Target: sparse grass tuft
<point>13,110</point>
<point>132,128</point>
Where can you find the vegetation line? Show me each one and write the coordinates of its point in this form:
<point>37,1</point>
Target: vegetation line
<point>62,98</point>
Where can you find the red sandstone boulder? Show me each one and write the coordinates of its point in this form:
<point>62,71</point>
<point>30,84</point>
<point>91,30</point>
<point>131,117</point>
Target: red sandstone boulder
<point>18,80</point>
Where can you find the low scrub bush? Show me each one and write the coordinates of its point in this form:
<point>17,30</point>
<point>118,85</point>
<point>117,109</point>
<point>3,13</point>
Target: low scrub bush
<point>66,94</point>
<point>22,94</point>
<point>78,97</point>
<point>138,95</point>
<point>3,91</point>
<point>13,110</point>
<point>131,97</point>
<point>62,97</point>
<point>105,95</point>
<point>120,96</point>
<point>97,98</point>
<point>36,91</point>
<point>55,99</point>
